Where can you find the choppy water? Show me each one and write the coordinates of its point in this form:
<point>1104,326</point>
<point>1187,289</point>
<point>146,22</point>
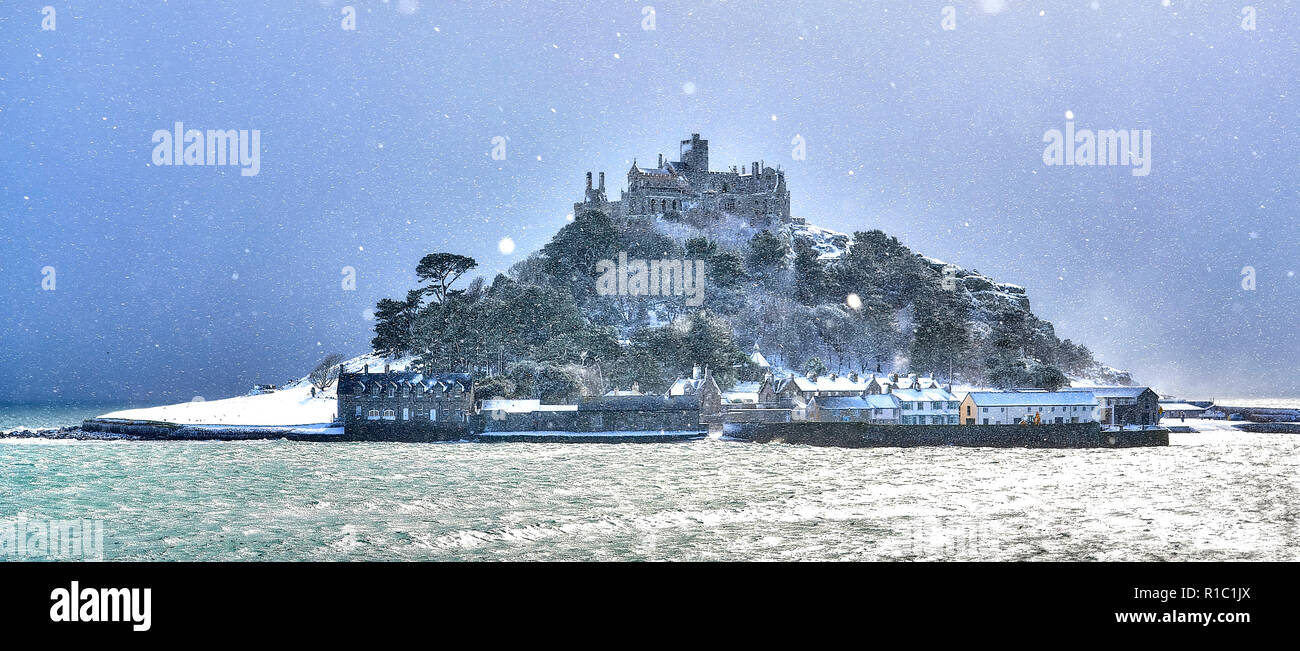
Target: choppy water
<point>35,415</point>
<point>1207,497</point>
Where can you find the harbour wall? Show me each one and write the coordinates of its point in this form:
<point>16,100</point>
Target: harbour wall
<point>865,435</point>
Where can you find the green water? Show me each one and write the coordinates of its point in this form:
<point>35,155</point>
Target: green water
<point>1206,497</point>
<point>33,415</point>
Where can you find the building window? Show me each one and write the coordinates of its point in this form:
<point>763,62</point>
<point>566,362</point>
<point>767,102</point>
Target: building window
<point>406,391</point>
<point>406,413</point>
<point>373,414</point>
<point>389,415</point>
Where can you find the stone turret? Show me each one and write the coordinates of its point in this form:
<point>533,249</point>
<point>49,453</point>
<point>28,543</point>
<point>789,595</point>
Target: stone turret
<point>695,154</point>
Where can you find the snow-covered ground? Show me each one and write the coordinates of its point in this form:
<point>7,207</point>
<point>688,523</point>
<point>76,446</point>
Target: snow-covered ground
<point>292,405</point>
<point>1272,403</point>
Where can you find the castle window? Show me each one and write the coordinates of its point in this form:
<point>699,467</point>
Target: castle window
<point>373,414</point>
<point>389,415</point>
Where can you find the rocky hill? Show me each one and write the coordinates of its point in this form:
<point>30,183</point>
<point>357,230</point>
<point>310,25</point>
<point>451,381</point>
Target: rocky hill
<point>806,295</point>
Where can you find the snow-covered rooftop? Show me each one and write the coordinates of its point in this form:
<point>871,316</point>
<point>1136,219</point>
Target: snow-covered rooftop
<point>1032,398</point>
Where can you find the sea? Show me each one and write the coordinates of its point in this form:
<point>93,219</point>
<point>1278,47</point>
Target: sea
<point>1215,495</point>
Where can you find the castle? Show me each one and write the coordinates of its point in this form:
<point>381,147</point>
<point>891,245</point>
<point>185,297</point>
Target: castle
<point>688,188</point>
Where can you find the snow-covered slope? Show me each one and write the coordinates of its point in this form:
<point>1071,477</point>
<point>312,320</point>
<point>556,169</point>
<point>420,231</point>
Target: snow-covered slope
<point>291,405</point>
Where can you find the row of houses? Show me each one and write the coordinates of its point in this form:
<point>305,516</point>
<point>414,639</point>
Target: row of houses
<point>913,400</point>
<point>410,404</point>
<point>905,400</point>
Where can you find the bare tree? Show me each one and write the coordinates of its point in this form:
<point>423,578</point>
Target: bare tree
<point>325,372</point>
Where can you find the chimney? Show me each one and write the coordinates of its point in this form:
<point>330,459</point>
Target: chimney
<point>386,367</point>
<point>636,387</point>
<point>755,167</point>
<point>695,372</point>
<point>602,181</point>
<point>366,369</point>
<point>588,181</point>
<point>661,161</point>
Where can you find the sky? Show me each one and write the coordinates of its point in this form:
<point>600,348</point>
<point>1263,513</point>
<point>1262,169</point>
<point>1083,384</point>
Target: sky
<point>121,279</point>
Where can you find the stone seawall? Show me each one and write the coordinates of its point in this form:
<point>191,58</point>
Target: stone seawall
<point>661,436</point>
<point>863,435</point>
<point>158,431</point>
<point>1270,428</point>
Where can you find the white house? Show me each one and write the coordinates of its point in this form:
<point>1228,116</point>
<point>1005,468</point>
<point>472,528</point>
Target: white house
<point>1014,407</point>
<point>932,406</point>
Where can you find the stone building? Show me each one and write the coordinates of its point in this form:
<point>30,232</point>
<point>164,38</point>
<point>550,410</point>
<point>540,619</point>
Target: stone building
<point>406,405</point>
<point>641,413</point>
<point>881,409</point>
<point>688,187</point>
<point>703,389</point>
<point>1120,405</point>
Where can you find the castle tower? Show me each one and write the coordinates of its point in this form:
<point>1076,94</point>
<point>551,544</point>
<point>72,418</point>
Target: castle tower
<point>695,154</point>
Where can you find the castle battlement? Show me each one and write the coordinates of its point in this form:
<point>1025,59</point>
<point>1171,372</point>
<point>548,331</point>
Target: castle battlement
<point>689,189</point>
